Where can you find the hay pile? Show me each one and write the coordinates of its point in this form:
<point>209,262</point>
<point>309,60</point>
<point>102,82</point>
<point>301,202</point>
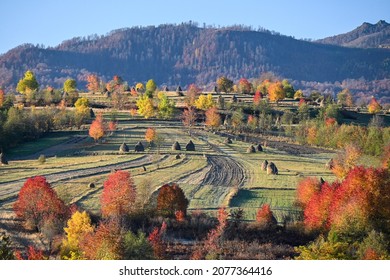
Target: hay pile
<point>190,146</point>
<point>139,147</point>
<point>259,148</point>
<point>176,146</point>
<point>272,169</point>
<point>251,149</point>
<point>228,141</point>
<point>123,148</point>
<point>3,159</point>
<point>264,165</point>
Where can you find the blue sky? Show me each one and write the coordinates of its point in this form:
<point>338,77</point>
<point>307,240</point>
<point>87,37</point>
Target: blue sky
<point>50,22</point>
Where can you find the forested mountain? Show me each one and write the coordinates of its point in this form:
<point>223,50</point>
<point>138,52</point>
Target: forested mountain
<point>185,53</point>
<point>365,36</point>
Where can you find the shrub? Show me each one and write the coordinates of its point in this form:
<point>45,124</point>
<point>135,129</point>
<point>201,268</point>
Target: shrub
<point>6,252</point>
<point>265,217</point>
<point>136,247</point>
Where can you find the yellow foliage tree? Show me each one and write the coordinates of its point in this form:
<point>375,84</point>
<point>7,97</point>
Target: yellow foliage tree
<point>140,87</point>
<point>77,226</point>
<point>145,106</point>
<point>298,94</point>
<point>204,102</point>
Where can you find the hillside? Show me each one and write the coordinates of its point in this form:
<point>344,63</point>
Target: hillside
<point>365,36</point>
<point>184,54</point>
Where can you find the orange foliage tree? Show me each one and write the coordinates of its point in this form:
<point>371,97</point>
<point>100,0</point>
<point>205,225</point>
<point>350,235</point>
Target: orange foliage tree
<point>118,195</point>
<point>96,130</point>
<point>276,92</point>
<point>213,119</point>
<point>306,189</point>
<point>374,106</point>
<point>93,83</point>
<point>170,199</point>
<point>386,157</point>
<point>244,86</point>
<point>346,160</point>
<point>150,135</point>
<point>104,243</point>
<point>1,97</point>
<point>358,204</point>
<point>264,216</point>
<point>38,204</point>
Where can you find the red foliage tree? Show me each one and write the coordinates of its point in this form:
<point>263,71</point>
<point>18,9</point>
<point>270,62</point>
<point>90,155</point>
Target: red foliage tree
<point>192,94</point>
<point>257,97</point>
<point>189,117</point>
<point>118,195</point>
<point>212,245</point>
<point>112,126</point>
<point>316,211</point>
<point>265,216</point>
<point>32,254</point>
<point>358,203</point>
<point>170,199</point>
<point>156,239</point>
<point>96,130</point>
<point>38,203</point>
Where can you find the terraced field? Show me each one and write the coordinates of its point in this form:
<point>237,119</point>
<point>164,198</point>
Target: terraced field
<point>215,175</point>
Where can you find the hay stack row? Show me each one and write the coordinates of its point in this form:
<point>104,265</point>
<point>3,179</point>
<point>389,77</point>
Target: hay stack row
<point>253,149</point>
<point>189,147</point>
<point>270,167</point>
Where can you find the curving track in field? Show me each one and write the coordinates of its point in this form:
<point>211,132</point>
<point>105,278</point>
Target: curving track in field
<point>11,189</point>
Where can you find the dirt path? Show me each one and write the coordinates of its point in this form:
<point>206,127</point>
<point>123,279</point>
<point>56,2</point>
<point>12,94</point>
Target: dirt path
<point>10,190</point>
<point>225,171</point>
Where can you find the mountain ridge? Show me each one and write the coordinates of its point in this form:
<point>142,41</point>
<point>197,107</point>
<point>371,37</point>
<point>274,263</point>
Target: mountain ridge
<point>366,35</point>
<point>184,54</point>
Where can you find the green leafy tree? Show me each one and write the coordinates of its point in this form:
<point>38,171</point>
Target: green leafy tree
<point>151,86</point>
<point>165,107</point>
<point>28,83</point>
<point>288,89</point>
<point>224,84</point>
<point>136,247</point>
<point>70,85</point>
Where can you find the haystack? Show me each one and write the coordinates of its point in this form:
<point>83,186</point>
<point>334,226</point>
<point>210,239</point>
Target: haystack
<point>178,156</point>
<point>176,146</point>
<point>91,185</point>
<point>329,164</point>
<point>264,165</point>
<point>228,141</point>
<point>166,88</point>
<point>190,146</point>
<point>272,169</point>
<point>123,148</point>
<point>139,147</point>
<point>3,159</point>
<point>251,149</point>
<point>259,148</point>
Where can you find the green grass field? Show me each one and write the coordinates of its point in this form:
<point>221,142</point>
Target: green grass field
<point>188,171</point>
